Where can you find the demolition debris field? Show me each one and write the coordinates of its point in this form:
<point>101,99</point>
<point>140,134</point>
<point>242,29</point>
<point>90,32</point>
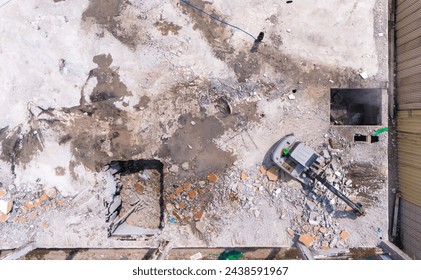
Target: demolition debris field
<point>87,83</point>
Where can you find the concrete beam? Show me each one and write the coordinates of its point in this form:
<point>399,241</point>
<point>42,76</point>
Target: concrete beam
<point>20,252</point>
<point>393,251</point>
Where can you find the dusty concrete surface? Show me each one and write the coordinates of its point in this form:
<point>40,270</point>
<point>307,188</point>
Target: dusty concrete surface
<point>85,83</point>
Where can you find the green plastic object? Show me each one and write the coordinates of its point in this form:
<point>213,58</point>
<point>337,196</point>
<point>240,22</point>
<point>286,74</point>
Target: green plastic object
<point>230,255</point>
<point>380,131</point>
<point>285,151</point>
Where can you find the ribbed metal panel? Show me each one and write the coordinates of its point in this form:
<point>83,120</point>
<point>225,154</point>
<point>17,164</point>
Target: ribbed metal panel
<point>403,5</point>
<point>409,122</point>
<point>408,16</point>
<point>411,54</point>
<point>410,71</point>
<point>409,63</point>
<point>410,106</point>
<point>411,80</point>
<point>410,46</point>
<point>409,154</point>
<point>408,33</point>
<point>410,216</point>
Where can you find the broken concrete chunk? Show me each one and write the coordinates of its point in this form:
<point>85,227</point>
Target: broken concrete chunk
<point>314,219</point>
<point>133,200</point>
<point>364,75</point>
<point>197,256</point>
<point>185,166</point>
<point>5,206</point>
<point>326,154</point>
<point>272,173</point>
<point>310,205</point>
<point>201,226</point>
<point>306,239</point>
<point>212,178</point>
<point>333,242</point>
<point>170,207</point>
<point>348,182</point>
<point>51,192</point>
<point>174,169</point>
<point>291,97</point>
<point>323,230</point>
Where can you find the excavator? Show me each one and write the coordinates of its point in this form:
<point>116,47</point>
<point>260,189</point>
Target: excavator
<point>301,163</point>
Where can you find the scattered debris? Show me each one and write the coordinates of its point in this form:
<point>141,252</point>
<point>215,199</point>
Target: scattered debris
<point>344,235</point>
<point>291,97</point>
<point>364,75</point>
<point>185,166</point>
<point>174,169</point>
<point>197,256</point>
<point>306,239</point>
<point>272,173</point>
<point>243,176</point>
<point>212,177</point>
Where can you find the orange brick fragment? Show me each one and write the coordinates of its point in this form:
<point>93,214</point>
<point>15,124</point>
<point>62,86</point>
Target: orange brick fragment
<point>243,176</point>
<point>212,177</point>
<point>45,225</point>
<point>192,194</point>
<point>32,216</point>
<point>3,218</point>
<point>43,197</point>
<point>263,170</point>
<point>178,190</point>
<point>30,205</point>
<point>272,173</point>
<point>22,219</point>
<point>198,215</point>
<point>2,193</point>
<point>306,239</point>
<point>138,187</point>
<point>344,235</point>
<point>186,186</point>
<point>37,203</point>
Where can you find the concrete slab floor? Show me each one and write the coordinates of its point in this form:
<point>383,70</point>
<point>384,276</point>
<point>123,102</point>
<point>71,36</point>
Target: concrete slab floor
<point>85,83</point>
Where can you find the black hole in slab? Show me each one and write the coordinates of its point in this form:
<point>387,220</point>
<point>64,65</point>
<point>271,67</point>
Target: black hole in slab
<point>294,91</point>
<point>359,137</point>
<point>289,2</point>
<point>374,139</point>
<point>139,182</point>
<point>355,106</point>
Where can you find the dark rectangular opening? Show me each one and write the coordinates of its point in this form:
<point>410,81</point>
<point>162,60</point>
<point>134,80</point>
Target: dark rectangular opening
<point>136,206</point>
<point>359,137</point>
<point>355,106</point>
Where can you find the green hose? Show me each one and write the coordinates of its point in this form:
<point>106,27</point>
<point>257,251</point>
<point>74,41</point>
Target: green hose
<point>380,131</point>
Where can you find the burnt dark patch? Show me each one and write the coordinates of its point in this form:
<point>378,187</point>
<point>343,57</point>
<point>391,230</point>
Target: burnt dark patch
<point>106,13</point>
<point>109,86</point>
<point>166,27</point>
<point>194,143</point>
